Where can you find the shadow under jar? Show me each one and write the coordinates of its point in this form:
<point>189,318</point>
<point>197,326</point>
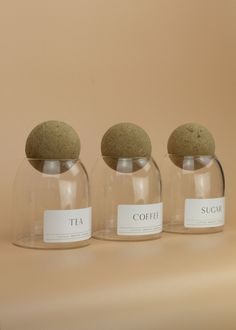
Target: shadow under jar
<point>51,204</point>
<point>126,199</point>
<point>193,194</point>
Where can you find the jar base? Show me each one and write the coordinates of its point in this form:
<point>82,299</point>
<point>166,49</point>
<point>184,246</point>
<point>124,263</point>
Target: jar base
<point>180,229</point>
<point>38,243</point>
<point>111,235</point>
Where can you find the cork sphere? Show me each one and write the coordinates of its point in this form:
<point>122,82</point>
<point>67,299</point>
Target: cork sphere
<point>128,141</point>
<point>190,139</point>
<point>52,140</point>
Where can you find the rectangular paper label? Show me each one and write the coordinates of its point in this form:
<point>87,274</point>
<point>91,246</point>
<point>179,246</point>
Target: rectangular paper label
<point>204,213</point>
<point>143,219</point>
<point>67,225</point>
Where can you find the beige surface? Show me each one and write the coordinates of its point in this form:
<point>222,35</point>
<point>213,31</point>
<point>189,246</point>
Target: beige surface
<point>93,63</point>
<point>177,282</point>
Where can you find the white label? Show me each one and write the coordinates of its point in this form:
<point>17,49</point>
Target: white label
<point>67,225</point>
<point>143,219</point>
<point>204,213</point>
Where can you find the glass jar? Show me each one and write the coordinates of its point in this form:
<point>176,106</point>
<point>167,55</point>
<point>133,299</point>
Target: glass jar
<point>193,194</point>
<point>51,204</point>
<point>126,198</point>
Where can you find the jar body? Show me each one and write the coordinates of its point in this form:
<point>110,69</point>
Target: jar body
<point>51,204</point>
<point>193,194</point>
<point>126,198</point>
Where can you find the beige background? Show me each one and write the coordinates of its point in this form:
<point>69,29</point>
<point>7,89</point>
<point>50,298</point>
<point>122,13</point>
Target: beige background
<point>93,63</point>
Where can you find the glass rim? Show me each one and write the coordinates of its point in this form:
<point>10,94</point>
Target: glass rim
<point>52,159</point>
<point>192,156</point>
<point>127,158</point>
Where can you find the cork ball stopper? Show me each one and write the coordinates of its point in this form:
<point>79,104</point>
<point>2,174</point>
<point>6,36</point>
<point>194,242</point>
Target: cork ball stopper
<point>52,140</point>
<point>190,139</point>
<point>125,141</point>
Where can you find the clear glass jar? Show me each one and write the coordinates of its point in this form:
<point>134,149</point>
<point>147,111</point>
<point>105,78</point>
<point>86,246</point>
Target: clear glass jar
<point>51,204</point>
<point>126,199</point>
<point>193,194</point>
